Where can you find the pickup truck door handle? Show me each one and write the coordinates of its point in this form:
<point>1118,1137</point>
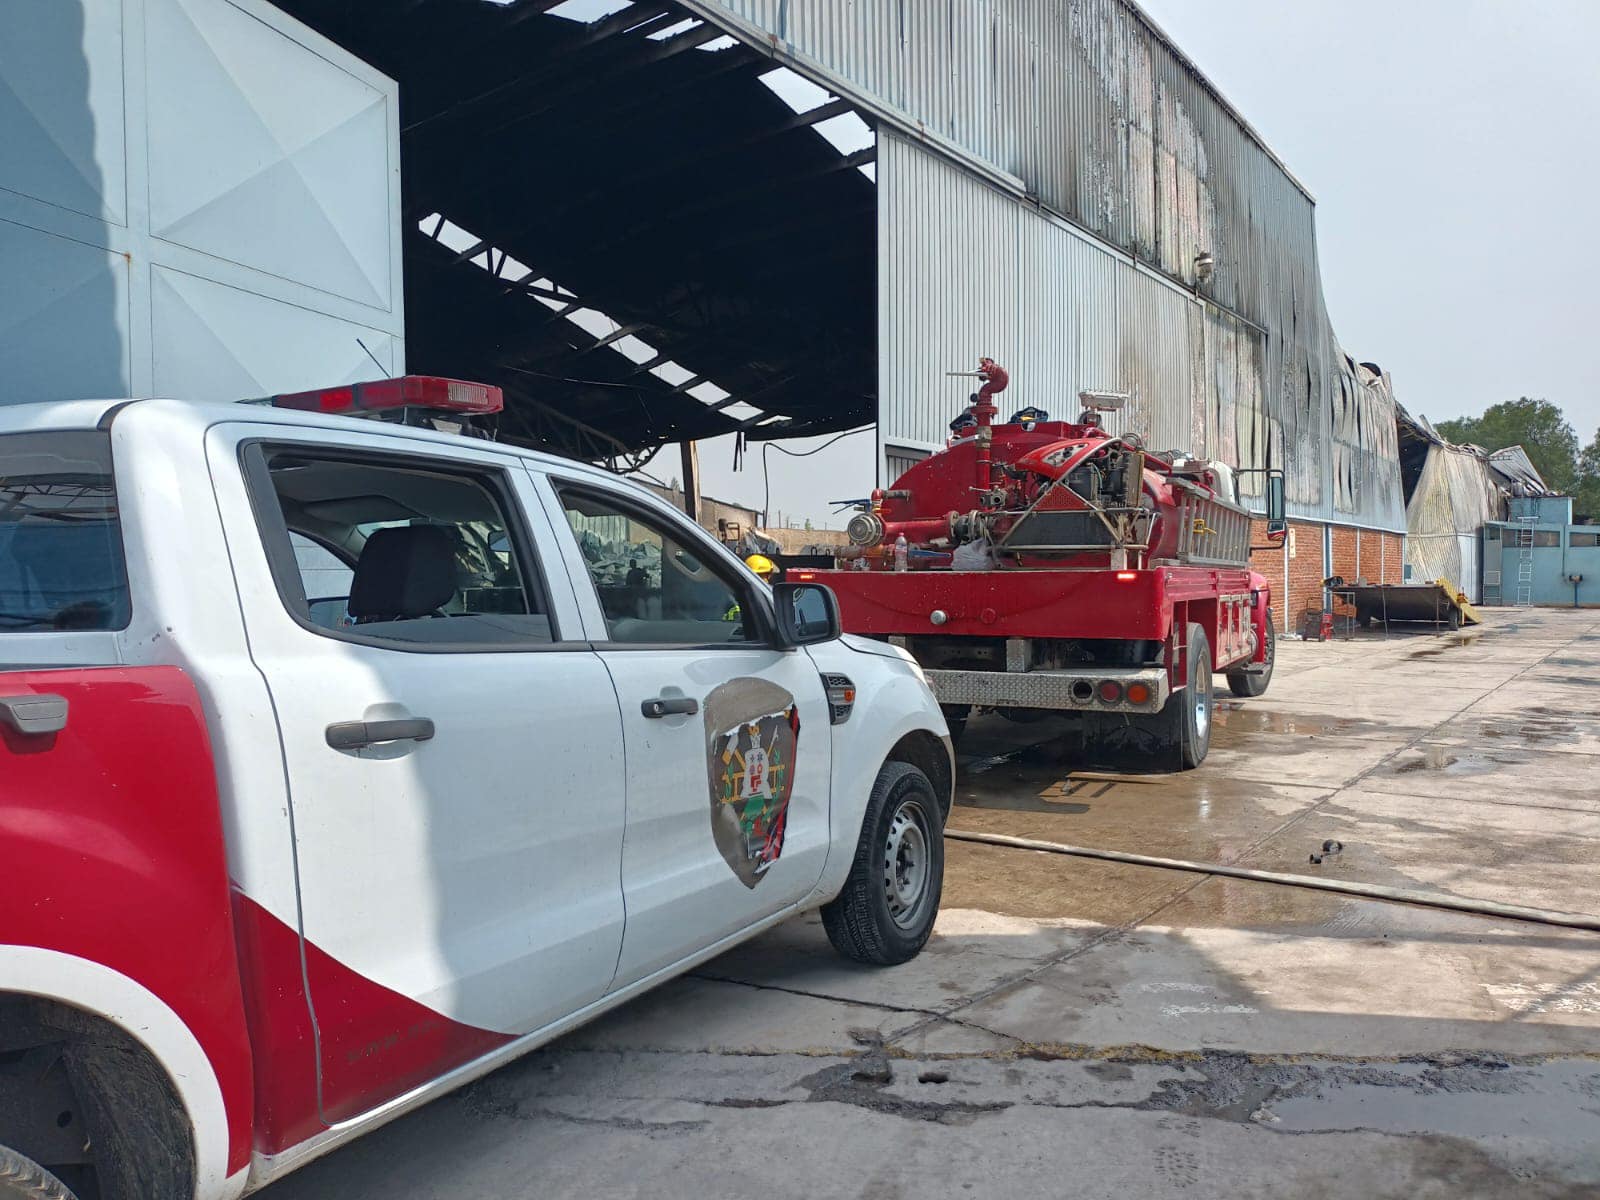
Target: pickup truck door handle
<point>35,714</point>
<point>353,735</point>
<point>670,706</point>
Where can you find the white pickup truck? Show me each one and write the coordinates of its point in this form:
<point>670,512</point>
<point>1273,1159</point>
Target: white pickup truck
<point>342,761</point>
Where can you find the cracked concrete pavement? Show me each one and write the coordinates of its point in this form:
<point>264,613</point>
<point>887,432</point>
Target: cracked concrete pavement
<point>1084,1028</point>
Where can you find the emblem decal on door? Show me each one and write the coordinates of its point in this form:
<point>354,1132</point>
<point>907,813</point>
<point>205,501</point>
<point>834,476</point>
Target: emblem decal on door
<point>752,734</point>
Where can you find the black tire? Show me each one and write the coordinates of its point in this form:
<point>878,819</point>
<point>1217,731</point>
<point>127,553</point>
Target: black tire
<point>23,1179</point>
<point>955,716</point>
<point>1453,620</point>
<point>1182,728</point>
<point>1364,619</point>
<point>903,820</point>
<point>1254,683</point>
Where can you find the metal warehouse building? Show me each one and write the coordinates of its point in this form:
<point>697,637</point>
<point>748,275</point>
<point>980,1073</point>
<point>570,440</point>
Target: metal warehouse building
<point>671,219</point>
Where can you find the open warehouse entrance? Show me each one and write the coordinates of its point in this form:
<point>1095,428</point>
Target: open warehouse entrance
<point>661,220</point>
<point>644,230</point>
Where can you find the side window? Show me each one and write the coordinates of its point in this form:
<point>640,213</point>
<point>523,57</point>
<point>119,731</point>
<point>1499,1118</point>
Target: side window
<point>653,588</point>
<point>402,551</point>
<point>325,578</point>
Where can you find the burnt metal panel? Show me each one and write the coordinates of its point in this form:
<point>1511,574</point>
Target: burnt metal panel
<point>1085,113</point>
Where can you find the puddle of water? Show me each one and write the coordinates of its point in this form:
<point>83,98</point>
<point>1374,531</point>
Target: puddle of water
<point>1443,642</point>
<point>1452,762</point>
<point>1400,1109</point>
<point>1013,802</point>
<point>1533,725</point>
<point>1239,718</point>
<point>1431,760</point>
<point>1587,681</point>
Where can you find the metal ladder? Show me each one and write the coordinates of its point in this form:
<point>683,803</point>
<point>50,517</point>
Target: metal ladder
<point>1526,522</point>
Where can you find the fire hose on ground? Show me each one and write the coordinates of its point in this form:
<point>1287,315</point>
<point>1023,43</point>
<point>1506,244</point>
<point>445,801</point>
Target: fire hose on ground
<point>1369,891</point>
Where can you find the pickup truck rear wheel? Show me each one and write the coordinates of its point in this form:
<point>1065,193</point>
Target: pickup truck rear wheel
<point>23,1179</point>
<point>885,912</point>
<point>1253,683</point>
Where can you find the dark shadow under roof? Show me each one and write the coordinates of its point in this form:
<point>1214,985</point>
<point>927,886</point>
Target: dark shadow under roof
<point>553,168</point>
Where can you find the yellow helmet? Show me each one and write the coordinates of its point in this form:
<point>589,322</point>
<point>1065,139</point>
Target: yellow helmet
<point>761,565</point>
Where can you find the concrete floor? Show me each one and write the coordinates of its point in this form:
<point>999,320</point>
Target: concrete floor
<point>1082,1028</point>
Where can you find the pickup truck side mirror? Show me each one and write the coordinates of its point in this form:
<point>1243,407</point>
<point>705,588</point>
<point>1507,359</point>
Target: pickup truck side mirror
<point>807,613</point>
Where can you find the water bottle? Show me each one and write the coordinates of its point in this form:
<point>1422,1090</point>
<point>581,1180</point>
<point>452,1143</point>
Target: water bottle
<point>901,553</point>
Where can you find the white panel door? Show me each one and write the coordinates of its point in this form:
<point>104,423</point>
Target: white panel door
<point>63,318</point>
<point>213,342</point>
<point>289,178</point>
<point>61,106</point>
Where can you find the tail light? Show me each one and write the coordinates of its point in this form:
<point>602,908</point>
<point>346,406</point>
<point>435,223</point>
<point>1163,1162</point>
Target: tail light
<point>841,697</point>
<point>1138,693</point>
<point>431,392</point>
<point>1110,691</point>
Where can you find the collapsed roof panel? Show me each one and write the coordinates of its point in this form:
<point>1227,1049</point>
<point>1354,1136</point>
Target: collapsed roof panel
<point>1517,474</point>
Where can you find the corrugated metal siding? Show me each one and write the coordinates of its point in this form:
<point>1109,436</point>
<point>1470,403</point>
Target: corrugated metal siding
<point>1083,109</point>
<point>1155,368</point>
<point>951,294</point>
<point>1454,493</point>
<point>967,270</point>
<point>897,461</point>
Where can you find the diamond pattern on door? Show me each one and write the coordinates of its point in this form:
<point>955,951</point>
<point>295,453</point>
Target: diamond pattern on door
<point>64,335</point>
<point>61,113</point>
<point>214,342</point>
<point>262,155</point>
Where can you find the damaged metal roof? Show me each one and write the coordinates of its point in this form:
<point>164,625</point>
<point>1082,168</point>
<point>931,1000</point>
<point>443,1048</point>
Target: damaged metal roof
<point>1517,473</point>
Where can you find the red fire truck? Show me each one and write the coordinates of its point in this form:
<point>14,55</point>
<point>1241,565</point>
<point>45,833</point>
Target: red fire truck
<point>1039,565</point>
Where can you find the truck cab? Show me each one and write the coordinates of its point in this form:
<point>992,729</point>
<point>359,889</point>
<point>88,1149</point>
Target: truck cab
<point>345,760</point>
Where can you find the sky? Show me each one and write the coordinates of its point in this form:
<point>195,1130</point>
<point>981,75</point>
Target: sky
<point>1453,148</point>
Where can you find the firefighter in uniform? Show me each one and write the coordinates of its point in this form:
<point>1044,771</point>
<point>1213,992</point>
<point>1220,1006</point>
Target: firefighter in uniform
<point>764,569</point>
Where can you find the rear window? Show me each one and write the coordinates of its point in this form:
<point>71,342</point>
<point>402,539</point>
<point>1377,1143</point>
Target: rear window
<point>61,565</point>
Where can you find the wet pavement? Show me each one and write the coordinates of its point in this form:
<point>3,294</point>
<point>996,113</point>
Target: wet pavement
<point>1088,1028</point>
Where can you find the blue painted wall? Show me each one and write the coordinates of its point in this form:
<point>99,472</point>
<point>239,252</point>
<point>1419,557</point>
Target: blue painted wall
<point>1561,550</point>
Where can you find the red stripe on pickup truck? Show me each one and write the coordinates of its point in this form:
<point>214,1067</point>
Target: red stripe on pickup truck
<point>376,1043</point>
<point>114,853</point>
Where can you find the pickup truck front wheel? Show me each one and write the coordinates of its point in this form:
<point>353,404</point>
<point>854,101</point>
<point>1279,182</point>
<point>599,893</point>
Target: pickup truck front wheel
<point>885,912</point>
<point>23,1179</point>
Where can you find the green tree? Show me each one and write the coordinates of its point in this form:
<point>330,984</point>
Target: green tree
<point>1586,496</point>
<point>1538,426</point>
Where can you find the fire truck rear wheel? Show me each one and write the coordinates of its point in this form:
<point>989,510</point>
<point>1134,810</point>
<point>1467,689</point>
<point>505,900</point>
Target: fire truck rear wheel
<point>1183,726</point>
<point>23,1179</point>
<point>885,912</point>
<point>1253,683</point>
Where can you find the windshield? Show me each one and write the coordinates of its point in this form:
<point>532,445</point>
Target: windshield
<point>61,565</point>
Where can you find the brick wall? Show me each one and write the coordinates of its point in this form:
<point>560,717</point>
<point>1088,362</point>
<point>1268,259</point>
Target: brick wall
<point>1381,557</point>
<point>1306,573</point>
<point>1296,572</point>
